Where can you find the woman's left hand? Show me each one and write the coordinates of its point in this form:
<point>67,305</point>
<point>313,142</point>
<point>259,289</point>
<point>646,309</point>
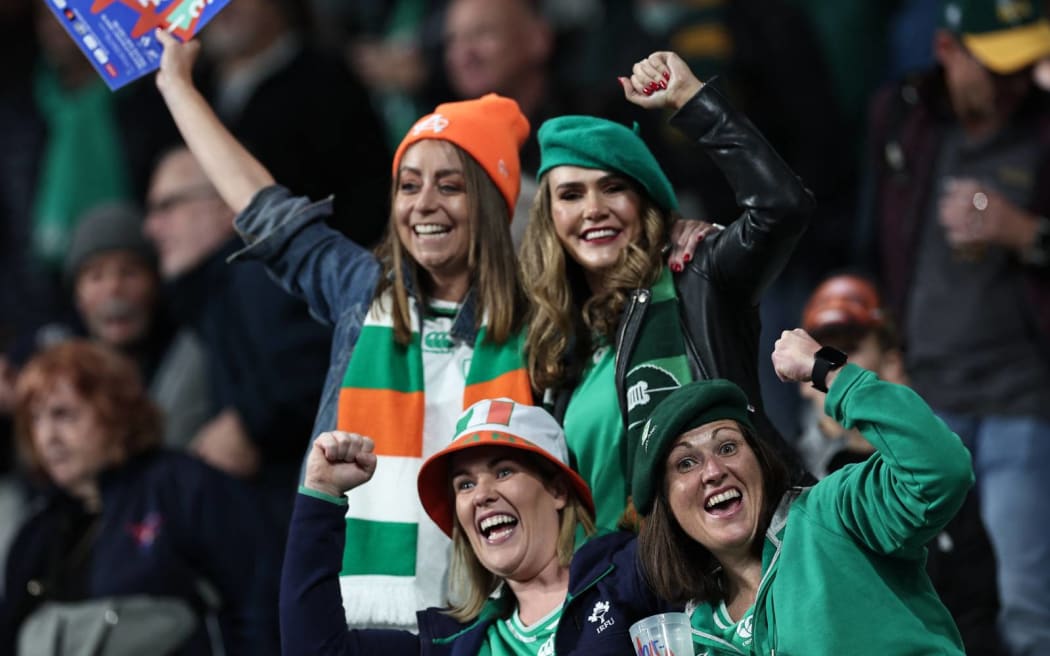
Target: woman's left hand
<point>686,235</point>
<point>660,80</point>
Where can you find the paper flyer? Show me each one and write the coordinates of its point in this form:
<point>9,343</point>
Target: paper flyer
<point>117,35</point>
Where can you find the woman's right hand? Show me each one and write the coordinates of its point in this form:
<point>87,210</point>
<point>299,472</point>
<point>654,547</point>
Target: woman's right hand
<point>686,235</point>
<point>661,80</point>
<point>176,62</point>
<point>339,462</point>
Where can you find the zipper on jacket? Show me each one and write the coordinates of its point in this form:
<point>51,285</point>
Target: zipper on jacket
<point>629,329</point>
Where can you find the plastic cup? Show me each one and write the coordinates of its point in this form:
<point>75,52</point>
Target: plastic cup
<point>666,634</point>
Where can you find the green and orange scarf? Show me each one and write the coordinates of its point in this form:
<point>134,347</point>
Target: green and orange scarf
<point>383,397</point>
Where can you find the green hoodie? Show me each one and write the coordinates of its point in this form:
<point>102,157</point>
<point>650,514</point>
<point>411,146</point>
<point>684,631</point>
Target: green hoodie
<point>844,561</point>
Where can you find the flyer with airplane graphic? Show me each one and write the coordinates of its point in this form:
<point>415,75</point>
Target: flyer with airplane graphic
<point>117,35</point>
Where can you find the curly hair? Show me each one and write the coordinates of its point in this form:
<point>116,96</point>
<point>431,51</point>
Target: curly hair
<point>105,380</point>
<point>565,314</point>
<point>500,298</point>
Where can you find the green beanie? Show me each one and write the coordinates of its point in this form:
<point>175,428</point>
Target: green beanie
<point>595,143</point>
<point>684,409</point>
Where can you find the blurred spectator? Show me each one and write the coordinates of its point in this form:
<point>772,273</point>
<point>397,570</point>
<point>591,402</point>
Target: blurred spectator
<point>392,46</point>
<point>853,38</point>
<point>911,29</point>
<point>301,112</point>
<point>505,47</point>
<point>960,192</point>
<point>112,270</point>
<point>845,313</point>
<point>266,357</point>
<point>124,530</point>
<point>69,143</point>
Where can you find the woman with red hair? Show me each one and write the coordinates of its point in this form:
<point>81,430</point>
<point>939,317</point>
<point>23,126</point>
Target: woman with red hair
<point>129,543</point>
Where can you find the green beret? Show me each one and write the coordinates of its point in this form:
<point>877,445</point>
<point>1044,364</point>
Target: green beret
<point>684,409</point>
<point>595,143</point>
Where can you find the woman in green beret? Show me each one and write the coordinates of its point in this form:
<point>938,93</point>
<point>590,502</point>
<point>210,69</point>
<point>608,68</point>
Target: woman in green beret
<point>613,328</point>
<point>767,568</point>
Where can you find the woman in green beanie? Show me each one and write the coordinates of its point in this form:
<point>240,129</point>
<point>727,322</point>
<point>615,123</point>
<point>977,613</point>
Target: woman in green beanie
<point>613,329</point>
<point>766,568</point>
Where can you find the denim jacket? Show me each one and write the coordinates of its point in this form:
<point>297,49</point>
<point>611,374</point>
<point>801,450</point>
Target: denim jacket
<point>336,277</point>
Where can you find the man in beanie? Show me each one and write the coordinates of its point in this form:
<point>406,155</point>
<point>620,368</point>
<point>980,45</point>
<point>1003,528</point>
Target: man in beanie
<point>960,200</point>
<point>845,312</point>
<point>112,271</point>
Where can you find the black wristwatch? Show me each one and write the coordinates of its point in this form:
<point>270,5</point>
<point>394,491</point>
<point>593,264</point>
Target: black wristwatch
<point>825,360</point>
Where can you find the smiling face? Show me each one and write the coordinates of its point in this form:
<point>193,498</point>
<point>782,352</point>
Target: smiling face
<point>715,489</point>
<point>432,215</point>
<point>596,215</point>
<point>70,440</point>
<point>509,515</point>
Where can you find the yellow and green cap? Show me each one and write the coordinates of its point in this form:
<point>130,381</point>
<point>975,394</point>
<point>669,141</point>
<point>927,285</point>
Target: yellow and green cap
<point>1004,35</point>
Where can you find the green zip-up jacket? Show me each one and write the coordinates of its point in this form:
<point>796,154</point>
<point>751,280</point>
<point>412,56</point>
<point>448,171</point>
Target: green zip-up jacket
<point>844,563</point>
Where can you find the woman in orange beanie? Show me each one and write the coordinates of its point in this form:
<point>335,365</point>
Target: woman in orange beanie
<point>425,326</point>
<point>615,328</point>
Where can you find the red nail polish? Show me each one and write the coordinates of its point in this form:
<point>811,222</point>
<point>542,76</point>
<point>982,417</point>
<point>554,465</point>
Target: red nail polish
<point>647,91</point>
<point>700,237</point>
<point>677,268</point>
<point>663,85</point>
<point>687,257</point>
<point>667,76</point>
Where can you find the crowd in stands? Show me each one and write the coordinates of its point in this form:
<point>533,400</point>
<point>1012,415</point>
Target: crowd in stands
<point>494,326</point>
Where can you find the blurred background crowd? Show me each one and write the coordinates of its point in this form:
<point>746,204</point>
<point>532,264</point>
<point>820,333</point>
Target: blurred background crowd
<point>109,230</point>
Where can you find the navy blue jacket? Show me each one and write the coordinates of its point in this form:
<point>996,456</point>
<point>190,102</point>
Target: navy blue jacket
<point>167,521</point>
<point>267,355</point>
<point>607,593</point>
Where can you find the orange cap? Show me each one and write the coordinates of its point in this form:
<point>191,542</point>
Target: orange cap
<point>843,301</point>
<point>491,129</point>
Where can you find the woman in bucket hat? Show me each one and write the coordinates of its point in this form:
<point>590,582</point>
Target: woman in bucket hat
<point>767,568</point>
<point>505,494</point>
<point>424,327</point>
<point>613,328</point>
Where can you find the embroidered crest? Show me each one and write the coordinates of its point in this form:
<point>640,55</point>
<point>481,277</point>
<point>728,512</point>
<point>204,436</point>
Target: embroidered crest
<point>598,614</point>
<point>746,627</point>
<point>647,432</point>
<point>644,377</point>
<point>435,123</point>
<point>145,532</point>
<point>547,649</point>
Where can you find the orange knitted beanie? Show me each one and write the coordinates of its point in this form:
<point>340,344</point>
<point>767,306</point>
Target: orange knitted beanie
<point>491,129</point>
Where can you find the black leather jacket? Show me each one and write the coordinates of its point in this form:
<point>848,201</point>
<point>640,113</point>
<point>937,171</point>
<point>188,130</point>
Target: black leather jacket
<point>720,288</point>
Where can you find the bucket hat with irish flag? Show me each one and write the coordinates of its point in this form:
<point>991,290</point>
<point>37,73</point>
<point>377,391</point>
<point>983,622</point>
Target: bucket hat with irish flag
<point>502,423</point>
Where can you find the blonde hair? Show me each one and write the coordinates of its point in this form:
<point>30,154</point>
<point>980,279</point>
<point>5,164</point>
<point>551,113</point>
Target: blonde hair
<point>563,311</point>
<point>493,274</point>
<point>471,585</point>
